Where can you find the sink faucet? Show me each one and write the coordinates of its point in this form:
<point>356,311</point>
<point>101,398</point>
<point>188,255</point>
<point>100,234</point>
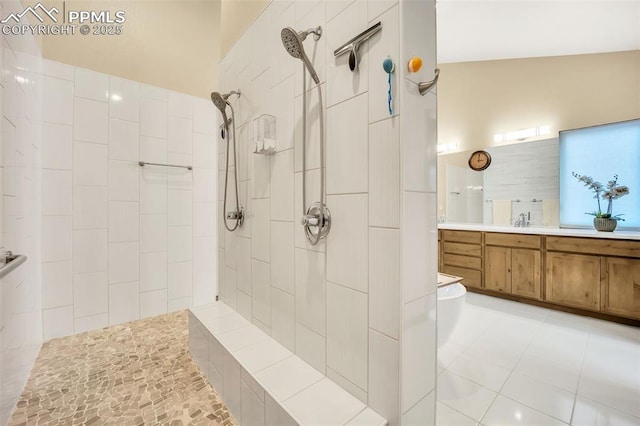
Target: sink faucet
<point>523,220</point>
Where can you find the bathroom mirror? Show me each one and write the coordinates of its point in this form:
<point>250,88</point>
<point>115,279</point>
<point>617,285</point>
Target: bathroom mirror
<point>511,95</point>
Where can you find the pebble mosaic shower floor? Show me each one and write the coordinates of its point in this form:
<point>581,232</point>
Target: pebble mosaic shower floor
<point>138,373</point>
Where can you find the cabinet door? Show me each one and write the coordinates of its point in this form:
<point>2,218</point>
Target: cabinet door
<point>573,280</point>
<point>525,273</point>
<point>497,269</point>
<point>621,287</point>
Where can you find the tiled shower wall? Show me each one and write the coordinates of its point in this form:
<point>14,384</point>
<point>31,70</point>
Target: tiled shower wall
<point>121,242</point>
<point>20,146</point>
<point>359,306</point>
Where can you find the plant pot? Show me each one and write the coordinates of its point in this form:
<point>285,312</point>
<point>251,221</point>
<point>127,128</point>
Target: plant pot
<point>604,224</point>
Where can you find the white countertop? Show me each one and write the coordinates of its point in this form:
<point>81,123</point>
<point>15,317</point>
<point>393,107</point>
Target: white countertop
<point>542,230</point>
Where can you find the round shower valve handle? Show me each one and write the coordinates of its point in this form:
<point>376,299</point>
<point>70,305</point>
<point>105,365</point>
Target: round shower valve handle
<point>310,220</point>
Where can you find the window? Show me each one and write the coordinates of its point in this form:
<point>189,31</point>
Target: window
<point>600,152</point>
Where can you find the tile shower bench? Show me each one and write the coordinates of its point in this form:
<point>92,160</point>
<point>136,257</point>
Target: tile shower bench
<point>262,382</point>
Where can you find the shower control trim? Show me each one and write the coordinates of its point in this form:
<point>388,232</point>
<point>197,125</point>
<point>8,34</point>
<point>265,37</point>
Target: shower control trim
<point>353,45</point>
<point>317,222</point>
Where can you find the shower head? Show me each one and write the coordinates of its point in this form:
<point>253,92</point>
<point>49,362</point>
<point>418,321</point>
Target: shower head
<point>220,101</point>
<point>292,41</point>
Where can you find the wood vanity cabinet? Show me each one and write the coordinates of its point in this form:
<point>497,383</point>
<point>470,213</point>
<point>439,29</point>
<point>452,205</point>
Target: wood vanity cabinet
<point>513,264</point>
<point>573,280</point>
<point>621,287</point>
<point>462,256</point>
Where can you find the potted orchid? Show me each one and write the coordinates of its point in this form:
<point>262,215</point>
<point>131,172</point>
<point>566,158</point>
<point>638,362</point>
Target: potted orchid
<point>604,221</point>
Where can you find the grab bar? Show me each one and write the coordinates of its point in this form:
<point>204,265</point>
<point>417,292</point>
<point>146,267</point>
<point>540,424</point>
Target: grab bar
<point>11,262</point>
<point>144,163</point>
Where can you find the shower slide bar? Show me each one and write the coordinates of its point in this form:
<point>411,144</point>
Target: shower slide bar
<point>144,163</point>
<point>10,262</point>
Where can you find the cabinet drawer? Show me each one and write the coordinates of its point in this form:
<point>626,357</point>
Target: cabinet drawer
<point>598,246</point>
<point>469,276</point>
<point>463,261</point>
<point>513,240</point>
<point>465,249</point>
<point>471,237</point>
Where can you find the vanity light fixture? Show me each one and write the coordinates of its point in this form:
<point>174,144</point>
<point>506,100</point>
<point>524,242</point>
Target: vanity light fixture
<point>523,134</point>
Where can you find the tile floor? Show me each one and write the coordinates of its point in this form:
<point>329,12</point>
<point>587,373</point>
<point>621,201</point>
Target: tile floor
<point>135,373</point>
<point>510,363</point>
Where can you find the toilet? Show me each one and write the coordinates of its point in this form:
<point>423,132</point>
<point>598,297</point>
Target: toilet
<point>450,305</point>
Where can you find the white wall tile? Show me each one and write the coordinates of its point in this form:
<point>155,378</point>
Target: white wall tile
<point>282,186</point>
<point>244,265</point>
<point>124,99</point>
<point>57,70</point>
<point>261,292</point>
<point>179,304</point>
<point>180,105</point>
<point>90,294</point>
<point>58,322</point>
<point>204,253</point>
<point>205,286</point>
<point>310,290</point>
<point>57,104</point>
<point>91,85</point>
<point>180,278</point>
<point>345,384</point>
<point>261,229</point>
<point>419,151</point>
<point>342,83</point>
<point>56,238</point>
<point>347,147</point>
<point>275,415</point>
<point>91,121</point>
<point>382,45</point>
<point>153,118</point>
<point>180,208</point>
<point>347,350</point>
<point>90,164</point>
<point>252,406</point>
<point>384,181</point>
<point>56,192</point>
<point>204,219</point>
<point>153,191</point>
<point>420,260</point>
<point>384,376</point>
<point>282,256</point>
<point>204,185</point>
<point>124,262</point>
<point>205,154</point>
<point>204,117</point>
<point>124,219</point>
<point>124,302</point>
<point>180,135</point>
<point>155,93</point>
<point>283,107</point>
<point>124,181</point>
<point>153,271</point>
<point>282,318</point>
<point>90,251</point>
<point>57,284</point>
<point>153,303</point>
<point>57,146</point>
<point>124,140</point>
<point>423,413</point>
<point>376,7</point>
<point>231,384</point>
<point>384,281</point>
<point>153,233</point>
<point>179,244</point>
<point>259,174</point>
<point>317,52</point>
<point>91,322</point>
<point>154,150</point>
<point>347,244</point>
<point>418,350</point>
<point>90,208</point>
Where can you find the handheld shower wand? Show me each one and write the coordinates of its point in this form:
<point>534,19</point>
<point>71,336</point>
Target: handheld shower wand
<point>292,41</point>
<point>316,219</point>
<point>221,102</point>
